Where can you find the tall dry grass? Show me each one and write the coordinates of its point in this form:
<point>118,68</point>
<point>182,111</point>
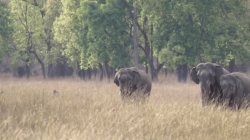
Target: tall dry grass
<point>92,110</point>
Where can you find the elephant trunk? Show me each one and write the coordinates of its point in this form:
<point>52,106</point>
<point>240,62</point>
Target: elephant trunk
<point>125,89</point>
<point>206,87</point>
<point>206,92</point>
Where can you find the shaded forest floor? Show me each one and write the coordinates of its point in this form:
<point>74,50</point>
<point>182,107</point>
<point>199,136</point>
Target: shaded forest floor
<point>74,109</point>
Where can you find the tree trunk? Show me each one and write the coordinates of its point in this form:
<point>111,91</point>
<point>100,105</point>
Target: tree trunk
<point>146,67</point>
<point>112,72</point>
<point>135,40</point>
<point>152,71</point>
<point>95,71</point>
<point>232,66</point>
<point>159,67</point>
<point>101,71</point>
<point>166,73</point>
<point>80,72</point>
<point>213,60</point>
<point>200,59</point>
<point>89,73</point>
<point>106,66</point>
<point>27,70</point>
<point>50,72</point>
<point>182,72</point>
<point>151,63</point>
<point>41,63</point>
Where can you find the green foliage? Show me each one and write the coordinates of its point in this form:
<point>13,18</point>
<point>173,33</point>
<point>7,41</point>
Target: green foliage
<point>5,28</point>
<point>202,29</point>
<point>98,32</point>
<point>93,32</point>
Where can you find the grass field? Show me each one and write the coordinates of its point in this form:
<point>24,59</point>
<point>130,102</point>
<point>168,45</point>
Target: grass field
<point>92,110</point>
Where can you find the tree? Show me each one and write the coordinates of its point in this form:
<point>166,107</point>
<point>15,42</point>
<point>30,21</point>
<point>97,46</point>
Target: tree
<point>136,54</point>
<point>34,36</point>
<point>27,29</point>
<point>145,26</point>
<point>98,33</point>
<point>49,10</point>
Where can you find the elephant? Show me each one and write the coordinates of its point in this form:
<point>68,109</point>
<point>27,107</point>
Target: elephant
<point>208,75</point>
<point>235,89</point>
<point>133,83</point>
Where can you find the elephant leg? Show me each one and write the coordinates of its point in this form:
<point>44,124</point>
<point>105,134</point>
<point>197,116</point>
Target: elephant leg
<point>238,102</point>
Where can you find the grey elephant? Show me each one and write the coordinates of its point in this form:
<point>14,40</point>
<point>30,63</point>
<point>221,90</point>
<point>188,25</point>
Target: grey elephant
<point>133,83</point>
<point>208,75</point>
<point>235,88</point>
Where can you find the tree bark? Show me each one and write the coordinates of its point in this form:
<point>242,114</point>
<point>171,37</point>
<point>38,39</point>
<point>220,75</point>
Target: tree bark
<point>213,60</point>
<point>182,72</point>
<point>41,63</point>
<point>152,68</point>
<point>106,66</point>
<point>95,71</point>
<point>136,54</point>
<point>232,66</point>
<point>89,73</point>
<point>146,67</point>
<point>166,73</point>
<point>159,67</point>
<point>27,70</point>
<point>50,72</point>
<point>111,72</point>
<point>200,59</point>
<point>80,72</point>
<point>101,71</point>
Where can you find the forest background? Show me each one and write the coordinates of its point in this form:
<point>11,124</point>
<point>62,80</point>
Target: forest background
<point>58,38</point>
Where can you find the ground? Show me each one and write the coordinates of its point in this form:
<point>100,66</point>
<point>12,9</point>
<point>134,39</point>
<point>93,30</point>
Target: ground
<point>63,109</point>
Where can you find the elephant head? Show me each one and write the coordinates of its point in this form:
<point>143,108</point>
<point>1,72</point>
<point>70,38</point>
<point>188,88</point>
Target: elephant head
<point>127,79</point>
<point>208,75</point>
<point>232,90</point>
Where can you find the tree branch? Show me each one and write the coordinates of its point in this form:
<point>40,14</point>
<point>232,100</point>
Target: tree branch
<point>159,67</point>
<point>37,57</point>
<point>34,4</point>
<point>22,22</point>
<point>128,7</point>
<point>140,46</point>
<point>107,33</point>
<point>223,10</point>
<point>139,27</point>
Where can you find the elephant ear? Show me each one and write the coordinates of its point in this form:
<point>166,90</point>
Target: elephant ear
<point>116,79</point>
<point>239,92</point>
<point>137,78</point>
<point>238,83</point>
<point>193,75</point>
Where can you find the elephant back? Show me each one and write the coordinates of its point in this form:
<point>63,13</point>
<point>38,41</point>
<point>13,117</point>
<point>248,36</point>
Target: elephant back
<point>245,79</point>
